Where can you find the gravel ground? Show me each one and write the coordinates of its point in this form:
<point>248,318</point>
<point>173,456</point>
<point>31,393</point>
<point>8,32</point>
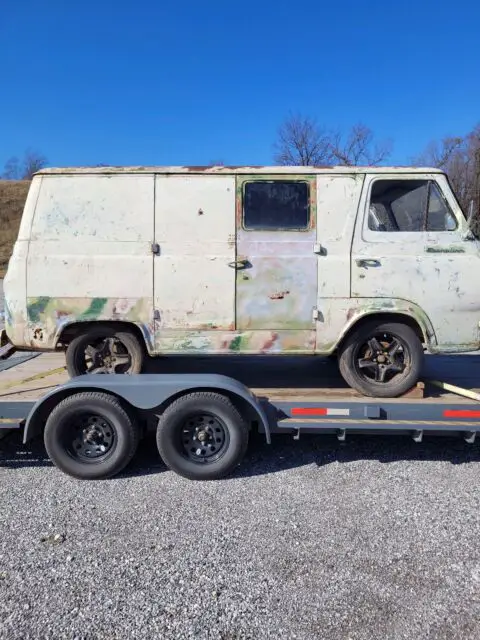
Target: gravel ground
<point>374,538</point>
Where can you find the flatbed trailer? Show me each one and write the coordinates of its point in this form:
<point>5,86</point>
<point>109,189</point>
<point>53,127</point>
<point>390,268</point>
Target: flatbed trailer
<point>92,424</point>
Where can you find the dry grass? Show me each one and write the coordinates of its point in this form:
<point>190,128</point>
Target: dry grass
<point>13,194</point>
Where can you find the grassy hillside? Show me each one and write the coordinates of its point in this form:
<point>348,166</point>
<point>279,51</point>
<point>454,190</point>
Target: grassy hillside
<point>12,199</point>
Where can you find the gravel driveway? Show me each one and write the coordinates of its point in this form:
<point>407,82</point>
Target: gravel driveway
<point>374,538</point>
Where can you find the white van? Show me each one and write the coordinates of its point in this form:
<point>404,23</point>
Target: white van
<point>375,265</point>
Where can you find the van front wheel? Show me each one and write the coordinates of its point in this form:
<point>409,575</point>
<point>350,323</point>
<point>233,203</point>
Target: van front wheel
<point>104,350</point>
<point>383,360</point>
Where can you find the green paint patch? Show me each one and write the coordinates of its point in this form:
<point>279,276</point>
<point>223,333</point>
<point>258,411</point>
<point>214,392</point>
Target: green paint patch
<point>239,343</point>
<point>236,344</point>
<point>95,309</point>
<point>36,308</point>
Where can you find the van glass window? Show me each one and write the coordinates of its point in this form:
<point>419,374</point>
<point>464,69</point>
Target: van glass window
<point>409,205</point>
<point>440,216</point>
<point>277,204</point>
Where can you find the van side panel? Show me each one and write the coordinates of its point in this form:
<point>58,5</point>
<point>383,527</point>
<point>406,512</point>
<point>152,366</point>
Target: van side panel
<point>194,271</point>
<point>15,282</point>
<point>89,254</point>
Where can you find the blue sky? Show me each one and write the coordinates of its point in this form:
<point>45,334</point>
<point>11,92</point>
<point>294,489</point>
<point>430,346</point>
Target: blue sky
<point>156,82</point>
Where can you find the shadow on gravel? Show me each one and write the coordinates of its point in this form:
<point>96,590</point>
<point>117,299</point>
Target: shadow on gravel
<point>283,454</point>
<point>320,450</point>
<point>16,455</point>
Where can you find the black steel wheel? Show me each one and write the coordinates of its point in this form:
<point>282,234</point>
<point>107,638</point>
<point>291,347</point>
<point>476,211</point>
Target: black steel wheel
<point>202,436</point>
<point>90,436</point>
<point>383,360</point>
<point>103,350</point>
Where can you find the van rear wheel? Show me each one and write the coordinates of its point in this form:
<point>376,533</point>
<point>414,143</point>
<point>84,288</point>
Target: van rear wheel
<point>104,350</point>
<point>382,359</point>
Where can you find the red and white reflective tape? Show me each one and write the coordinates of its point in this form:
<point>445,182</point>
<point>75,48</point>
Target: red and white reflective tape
<point>461,413</point>
<point>319,411</point>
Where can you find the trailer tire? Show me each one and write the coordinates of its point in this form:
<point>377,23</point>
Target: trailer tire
<point>202,436</point>
<point>76,351</point>
<point>90,436</point>
<point>359,365</point>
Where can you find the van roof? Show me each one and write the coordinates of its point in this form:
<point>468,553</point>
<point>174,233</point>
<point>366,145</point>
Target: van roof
<point>236,170</point>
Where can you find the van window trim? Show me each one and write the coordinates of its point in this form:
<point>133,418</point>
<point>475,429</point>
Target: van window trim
<point>280,178</point>
<point>427,177</point>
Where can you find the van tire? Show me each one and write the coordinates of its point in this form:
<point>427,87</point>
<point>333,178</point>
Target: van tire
<point>356,350</point>
<point>181,449</point>
<point>66,433</point>
<point>76,351</point>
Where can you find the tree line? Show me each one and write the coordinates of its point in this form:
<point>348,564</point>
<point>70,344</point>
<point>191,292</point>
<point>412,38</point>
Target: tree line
<point>23,168</point>
<point>302,141</point>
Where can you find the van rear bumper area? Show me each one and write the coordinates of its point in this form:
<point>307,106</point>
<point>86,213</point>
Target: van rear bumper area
<point>6,347</point>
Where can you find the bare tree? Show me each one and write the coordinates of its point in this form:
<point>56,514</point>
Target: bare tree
<point>358,147</point>
<point>12,170</point>
<point>302,142</point>
<point>32,163</point>
<point>24,170</point>
<point>439,154</point>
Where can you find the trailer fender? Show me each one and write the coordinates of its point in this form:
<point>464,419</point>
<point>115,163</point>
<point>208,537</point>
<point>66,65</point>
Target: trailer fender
<point>145,392</point>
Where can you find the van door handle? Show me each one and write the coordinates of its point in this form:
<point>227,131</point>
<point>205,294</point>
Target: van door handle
<point>238,264</point>
<point>364,262</point>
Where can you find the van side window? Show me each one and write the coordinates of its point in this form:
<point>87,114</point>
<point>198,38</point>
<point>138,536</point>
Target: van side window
<point>409,205</point>
<point>276,204</point>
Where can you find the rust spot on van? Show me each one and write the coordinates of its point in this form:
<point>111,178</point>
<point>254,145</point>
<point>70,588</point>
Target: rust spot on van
<point>279,295</point>
<point>268,344</point>
<point>238,205</point>
<point>38,334</point>
<point>313,203</point>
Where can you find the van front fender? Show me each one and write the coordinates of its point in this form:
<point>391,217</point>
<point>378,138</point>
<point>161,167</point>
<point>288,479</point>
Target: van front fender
<point>361,309</point>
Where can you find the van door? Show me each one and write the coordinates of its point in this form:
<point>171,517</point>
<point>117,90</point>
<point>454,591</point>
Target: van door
<point>194,283</point>
<point>276,267</point>
<point>410,244</point>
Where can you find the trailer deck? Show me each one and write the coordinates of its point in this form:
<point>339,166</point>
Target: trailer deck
<point>319,401</point>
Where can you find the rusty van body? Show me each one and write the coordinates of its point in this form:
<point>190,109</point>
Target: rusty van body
<point>376,265</point>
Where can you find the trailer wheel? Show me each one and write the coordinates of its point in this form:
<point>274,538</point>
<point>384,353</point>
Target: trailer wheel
<point>104,350</point>
<point>202,436</point>
<point>90,436</point>
<point>382,359</point>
